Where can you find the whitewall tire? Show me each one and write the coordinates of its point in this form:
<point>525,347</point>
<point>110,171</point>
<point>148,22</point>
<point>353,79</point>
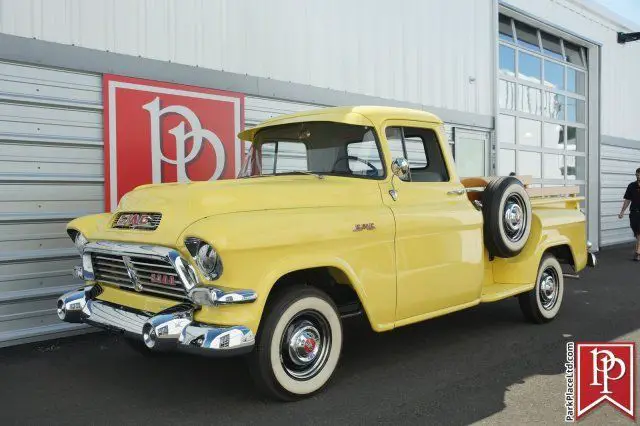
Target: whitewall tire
<point>299,344</point>
<point>543,302</point>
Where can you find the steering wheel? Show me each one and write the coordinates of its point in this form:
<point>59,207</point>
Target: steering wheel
<point>373,172</point>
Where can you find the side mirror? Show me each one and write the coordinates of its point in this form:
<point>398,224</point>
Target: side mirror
<point>400,167</point>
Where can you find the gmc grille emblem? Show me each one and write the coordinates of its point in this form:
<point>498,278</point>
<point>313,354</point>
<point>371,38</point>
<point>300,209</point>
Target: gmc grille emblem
<point>162,279</point>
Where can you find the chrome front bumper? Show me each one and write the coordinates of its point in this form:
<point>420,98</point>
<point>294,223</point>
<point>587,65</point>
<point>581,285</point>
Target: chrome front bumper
<point>171,329</point>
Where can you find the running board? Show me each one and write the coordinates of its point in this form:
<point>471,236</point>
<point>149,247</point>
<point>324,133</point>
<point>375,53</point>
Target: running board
<point>495,292</point>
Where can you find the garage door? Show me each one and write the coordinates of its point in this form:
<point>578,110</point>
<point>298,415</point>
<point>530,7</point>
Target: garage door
<point>50,172</point>
<point>617,167</point>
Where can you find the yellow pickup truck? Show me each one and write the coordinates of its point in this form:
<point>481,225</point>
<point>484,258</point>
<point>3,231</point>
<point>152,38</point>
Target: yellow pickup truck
<point>336,212</point>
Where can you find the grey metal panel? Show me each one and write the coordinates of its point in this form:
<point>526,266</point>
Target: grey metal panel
<point>28,83</point>
<point>51,170</point>
<point>617,165</point>
<point>37,123</point>
<point>260,109</point>
<point>36,334</point>
<point>622,142</point>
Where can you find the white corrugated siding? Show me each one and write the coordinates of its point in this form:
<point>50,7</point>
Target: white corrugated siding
<point>620,89</point>
<point>421,51</point>
<point>50,172</point>
<point>618,166</point>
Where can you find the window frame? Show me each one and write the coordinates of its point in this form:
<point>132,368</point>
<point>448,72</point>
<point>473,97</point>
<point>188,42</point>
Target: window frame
<point>373,129</point>
<point>438,141</point>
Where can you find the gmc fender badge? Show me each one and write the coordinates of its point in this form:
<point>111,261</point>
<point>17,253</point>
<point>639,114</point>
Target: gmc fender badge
<point>364,227</point>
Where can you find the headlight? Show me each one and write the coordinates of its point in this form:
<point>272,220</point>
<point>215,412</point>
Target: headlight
<point>79,240</point>
<point>206,257</point>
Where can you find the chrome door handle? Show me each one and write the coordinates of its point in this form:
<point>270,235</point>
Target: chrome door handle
<point>457,192</point>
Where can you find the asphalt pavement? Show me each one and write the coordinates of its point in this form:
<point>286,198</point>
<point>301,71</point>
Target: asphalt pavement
<point>484,365</point>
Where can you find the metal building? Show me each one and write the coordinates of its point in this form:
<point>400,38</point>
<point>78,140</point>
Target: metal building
<point>540,88</point>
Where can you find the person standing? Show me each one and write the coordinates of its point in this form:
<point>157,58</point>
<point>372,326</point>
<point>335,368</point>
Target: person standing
<point>632,200</point>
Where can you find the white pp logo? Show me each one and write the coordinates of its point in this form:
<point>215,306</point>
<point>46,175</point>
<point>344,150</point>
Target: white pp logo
<point>182,158</point>
<point>606,364</point>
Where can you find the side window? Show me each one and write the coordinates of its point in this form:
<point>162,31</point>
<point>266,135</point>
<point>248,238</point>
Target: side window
<point>283,157</point>
<point>416,153</point>
<point>366,150</point>
<point>421,148</point>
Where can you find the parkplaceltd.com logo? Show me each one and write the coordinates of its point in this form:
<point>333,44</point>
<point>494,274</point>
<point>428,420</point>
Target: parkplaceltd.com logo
<point>599,372</point>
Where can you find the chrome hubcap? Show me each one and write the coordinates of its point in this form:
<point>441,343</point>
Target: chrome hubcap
<point>515,218</point>
<point>549,288</point>
<point>305,345</point>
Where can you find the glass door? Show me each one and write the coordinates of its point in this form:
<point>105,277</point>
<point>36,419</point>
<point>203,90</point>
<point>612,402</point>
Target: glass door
<point>471,152</point>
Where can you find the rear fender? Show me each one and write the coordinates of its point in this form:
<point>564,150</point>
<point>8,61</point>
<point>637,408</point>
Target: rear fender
<point>550,228</point>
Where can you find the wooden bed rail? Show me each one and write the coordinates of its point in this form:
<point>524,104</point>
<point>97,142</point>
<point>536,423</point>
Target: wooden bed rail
<point>477,184</point>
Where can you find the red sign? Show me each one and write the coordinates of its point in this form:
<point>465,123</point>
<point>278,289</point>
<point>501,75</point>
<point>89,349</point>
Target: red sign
<point>605,372</point>
<point>161,132</point>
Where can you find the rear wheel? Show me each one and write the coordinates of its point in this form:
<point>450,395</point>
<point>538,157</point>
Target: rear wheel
<point>542,303</point>
<point>507,217</point>
<point>299,344</point>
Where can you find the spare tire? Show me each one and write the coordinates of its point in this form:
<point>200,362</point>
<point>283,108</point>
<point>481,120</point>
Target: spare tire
<point>506,209</point>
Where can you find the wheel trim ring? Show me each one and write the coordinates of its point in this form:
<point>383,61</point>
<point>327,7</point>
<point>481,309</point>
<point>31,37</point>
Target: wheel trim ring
<point>306,370</point>
<point>515,217</point>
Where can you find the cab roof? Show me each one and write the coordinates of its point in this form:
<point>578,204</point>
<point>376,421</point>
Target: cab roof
<point>358,115</point>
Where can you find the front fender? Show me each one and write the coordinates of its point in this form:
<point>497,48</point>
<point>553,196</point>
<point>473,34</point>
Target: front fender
<point>258,248</point>
<point>91,226</point>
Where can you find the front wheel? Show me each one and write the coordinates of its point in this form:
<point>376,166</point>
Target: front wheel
<point>299,344</point>
<point>542,303</point>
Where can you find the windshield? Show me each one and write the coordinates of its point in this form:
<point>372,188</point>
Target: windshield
<point>322,148</point>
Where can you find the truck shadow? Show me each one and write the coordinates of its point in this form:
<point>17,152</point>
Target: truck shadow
<point>454,369</point>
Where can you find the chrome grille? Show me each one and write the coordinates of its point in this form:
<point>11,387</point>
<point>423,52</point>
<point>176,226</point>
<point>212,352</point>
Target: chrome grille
<point>112,269</point>
<point>137,220</point>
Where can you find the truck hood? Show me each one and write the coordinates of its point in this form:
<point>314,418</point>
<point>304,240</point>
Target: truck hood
<point>182,204</point>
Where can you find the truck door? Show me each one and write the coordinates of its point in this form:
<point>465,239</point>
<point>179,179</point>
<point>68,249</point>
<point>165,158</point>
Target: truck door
<point>439,246</point>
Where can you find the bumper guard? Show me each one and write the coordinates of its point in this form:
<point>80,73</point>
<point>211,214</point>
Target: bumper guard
<point>171,329</point>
